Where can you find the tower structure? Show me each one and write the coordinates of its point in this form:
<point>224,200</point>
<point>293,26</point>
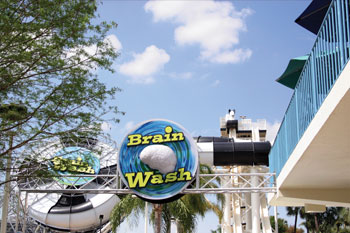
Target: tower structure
<point>244,212</point>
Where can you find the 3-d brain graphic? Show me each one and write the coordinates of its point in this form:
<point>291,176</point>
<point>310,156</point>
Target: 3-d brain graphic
<point>159,157</point>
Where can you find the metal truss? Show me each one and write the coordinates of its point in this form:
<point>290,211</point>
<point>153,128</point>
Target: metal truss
<point>19,221</point>
<point>112,184</point>
<point>29,188</point>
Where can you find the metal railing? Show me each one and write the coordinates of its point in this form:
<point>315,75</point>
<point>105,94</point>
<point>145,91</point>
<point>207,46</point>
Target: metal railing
<point>326,61</point>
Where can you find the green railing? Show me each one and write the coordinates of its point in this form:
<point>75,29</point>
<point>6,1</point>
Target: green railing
<point>327,59</point>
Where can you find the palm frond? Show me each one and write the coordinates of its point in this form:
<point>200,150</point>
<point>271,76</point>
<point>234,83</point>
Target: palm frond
<point>127,206</point>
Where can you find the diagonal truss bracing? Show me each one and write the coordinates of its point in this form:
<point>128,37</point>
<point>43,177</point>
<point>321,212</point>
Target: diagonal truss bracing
<point>204,183</point>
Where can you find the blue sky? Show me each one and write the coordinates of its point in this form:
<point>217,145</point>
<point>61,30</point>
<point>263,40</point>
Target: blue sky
<point>191,61</point>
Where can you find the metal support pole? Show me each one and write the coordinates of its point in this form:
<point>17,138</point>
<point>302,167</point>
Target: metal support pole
<point>249,211</point>
<point>227,226</point>
<point>7,189</point>
<point>255,204</point>
<point>276,219</point>
<point>236,205</point>
<point>24,228</point>
<point>146,217</point>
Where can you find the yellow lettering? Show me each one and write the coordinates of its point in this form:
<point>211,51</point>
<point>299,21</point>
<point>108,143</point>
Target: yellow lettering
<point>157,179</point>
<point>56,160</point>
<point>171,177</point>
<point>178,137</point>
<point>183,173</point>
<point>140,180</point>
<point>157,138</point>
<point>145,139</point>
<point>81,169</point>
<point>77,162</point>
<point>134,140</point>
<point>63,168</point>
<point>90,170</point>
<point>72,168</point>
<point>167,130</point>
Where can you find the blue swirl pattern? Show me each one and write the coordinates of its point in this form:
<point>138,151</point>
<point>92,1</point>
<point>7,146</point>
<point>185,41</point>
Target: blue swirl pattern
<point>186,152</point>
<point>72,153</point>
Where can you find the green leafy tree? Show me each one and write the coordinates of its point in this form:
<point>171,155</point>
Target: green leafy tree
<point>333,220</point>
<point>49,56</point>
<point>282,224</point>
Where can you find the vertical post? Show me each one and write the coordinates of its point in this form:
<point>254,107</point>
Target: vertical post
<point>197,175</point>
<point>225,182</point>
<point>18,210</point>
<point>248,201</point>
<point>101,218</point>
<point>339,5</point>
<point>117,178</point>
<point>236,206</point>
<point>7,189</point>
<point>25,213</point>
<point>297,113</point>
<point>276,219</point>
<point>313,82</point>
<point>146,217</point>
<point>255,203</point>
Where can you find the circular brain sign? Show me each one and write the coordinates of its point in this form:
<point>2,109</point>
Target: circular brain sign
<point>74,161</point>
<point>158,159</point>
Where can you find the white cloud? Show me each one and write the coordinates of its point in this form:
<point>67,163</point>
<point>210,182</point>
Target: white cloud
<point>272,129</point>
<point>114,42</point>
<point>144,65</point>
<point>106,127</point>
<point>186,75</point>
<point>215,83</point>
<point>111,40</point>
<point>213,25</point>
<point>235,56</point>
<point>127,127</point>
<point>92,50</point>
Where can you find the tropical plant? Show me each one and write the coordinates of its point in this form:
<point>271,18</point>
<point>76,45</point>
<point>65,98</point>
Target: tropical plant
<point>129,205</point>
<point>183,211</point>
<point>333,220</point>
<point>294,211</point>
<point>218,230</point>
<point>290,229</point>
<point>282,224</point>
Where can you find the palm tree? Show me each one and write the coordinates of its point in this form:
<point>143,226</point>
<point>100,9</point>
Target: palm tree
<point>183,211</point>
<point>294,211</point>
<point>128,205</point>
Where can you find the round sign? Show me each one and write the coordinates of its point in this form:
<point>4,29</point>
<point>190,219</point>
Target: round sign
<point>158,159</point>
<point>74,161</point>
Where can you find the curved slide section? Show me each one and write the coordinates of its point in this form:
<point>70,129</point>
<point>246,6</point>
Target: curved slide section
<point>80,217</point>
<point>75,212</point>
